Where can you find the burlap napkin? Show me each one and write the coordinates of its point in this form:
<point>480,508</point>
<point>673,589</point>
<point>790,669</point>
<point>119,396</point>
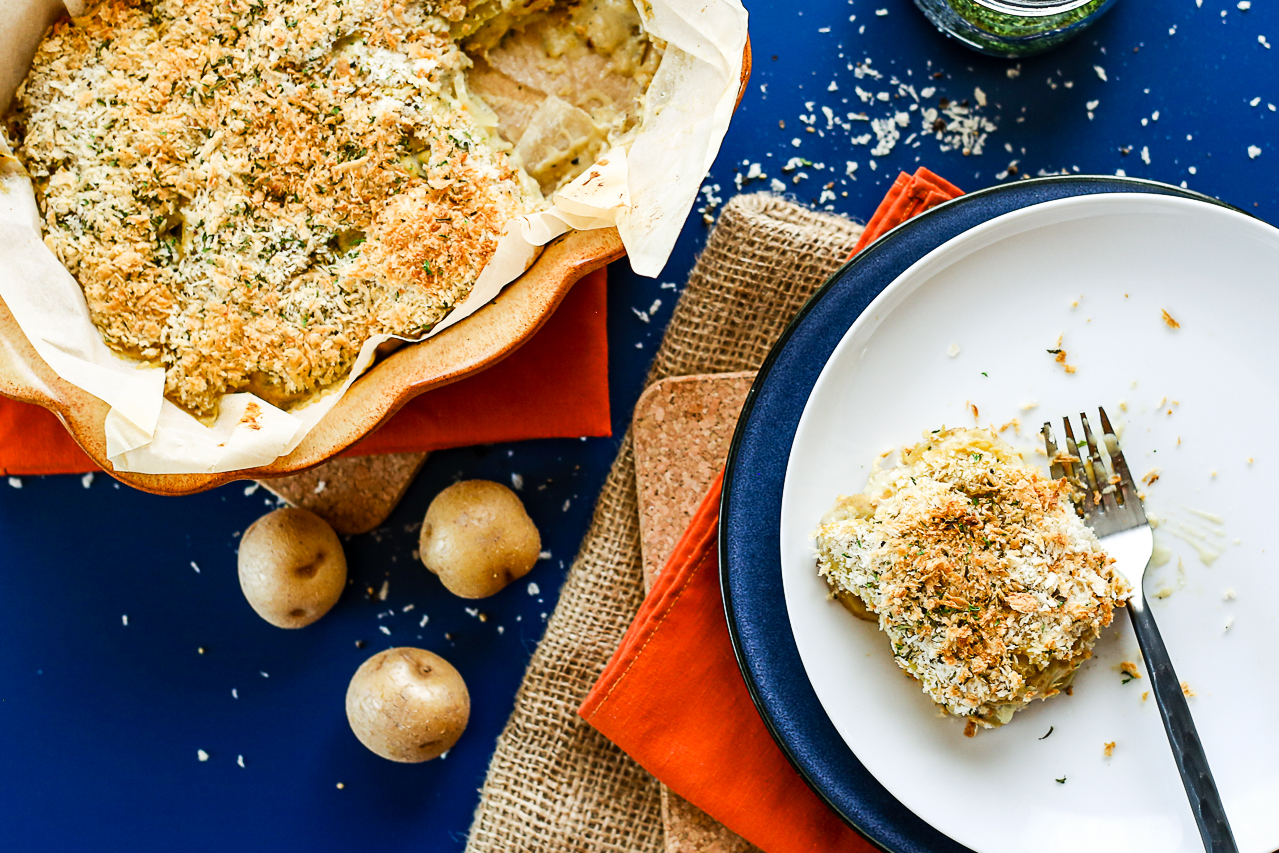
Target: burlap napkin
<point>556,784</point>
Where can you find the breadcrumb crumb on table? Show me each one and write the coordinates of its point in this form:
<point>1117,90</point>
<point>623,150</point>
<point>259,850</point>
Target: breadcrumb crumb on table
<point>1172,324</point>
<point>1109,749</point>
<point>1187,690</point>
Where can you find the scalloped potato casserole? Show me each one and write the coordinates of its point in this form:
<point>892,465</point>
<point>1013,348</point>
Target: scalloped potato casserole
<point>990,588</point>
<point>247,190</point>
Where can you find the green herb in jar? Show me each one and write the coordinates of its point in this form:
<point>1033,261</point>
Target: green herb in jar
<point>1012,28</point>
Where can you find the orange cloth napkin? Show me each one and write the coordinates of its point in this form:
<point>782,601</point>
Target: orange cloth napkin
<point>673,697</point>
<point>554,386</point>
<point>909,195</point>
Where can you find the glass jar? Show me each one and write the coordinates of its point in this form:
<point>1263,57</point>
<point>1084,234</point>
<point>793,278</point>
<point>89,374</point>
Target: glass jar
<point>1012,28</point>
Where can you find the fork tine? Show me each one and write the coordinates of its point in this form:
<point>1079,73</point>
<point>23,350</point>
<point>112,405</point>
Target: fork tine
<point>1059,471</point>
<point>1078,472</point>
<point>1101,477</point>
<point>1127,487</point>
<point>1050,444</point>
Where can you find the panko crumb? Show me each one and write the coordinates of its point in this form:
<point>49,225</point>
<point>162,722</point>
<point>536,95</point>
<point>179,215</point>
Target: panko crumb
<point>1187,690</point>
<point>1130,669</point>
<point>1151,476</point>
<point>1172,324</point>
<point>1109,749</point>
<point>1059,356</point>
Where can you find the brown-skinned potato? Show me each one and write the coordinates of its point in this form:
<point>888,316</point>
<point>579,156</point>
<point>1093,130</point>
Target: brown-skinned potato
<point>292,567</point>
<point>477,538</point>
<point>407,704</point>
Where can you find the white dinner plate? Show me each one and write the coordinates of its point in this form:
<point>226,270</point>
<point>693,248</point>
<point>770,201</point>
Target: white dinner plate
<point>1198,403</point>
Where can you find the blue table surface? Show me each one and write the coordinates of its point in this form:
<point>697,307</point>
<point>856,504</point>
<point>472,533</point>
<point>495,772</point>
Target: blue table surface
<point>102,716</point>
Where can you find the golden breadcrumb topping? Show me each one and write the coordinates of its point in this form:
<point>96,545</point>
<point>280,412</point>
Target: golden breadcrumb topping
<point>247,190</point>
<point>990,588</point>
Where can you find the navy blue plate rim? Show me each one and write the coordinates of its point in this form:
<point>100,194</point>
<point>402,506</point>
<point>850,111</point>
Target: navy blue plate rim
<point>750,507</point>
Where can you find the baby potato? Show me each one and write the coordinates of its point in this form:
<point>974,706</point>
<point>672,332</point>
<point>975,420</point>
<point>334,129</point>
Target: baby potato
<point>292,568</point>
<point>407,704</point>
<point>478,538</point>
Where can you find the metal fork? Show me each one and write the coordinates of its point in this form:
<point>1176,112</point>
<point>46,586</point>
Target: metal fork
<point>1110,506</point>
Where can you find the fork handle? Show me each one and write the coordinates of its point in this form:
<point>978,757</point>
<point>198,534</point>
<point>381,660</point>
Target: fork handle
<point>1187,750</point>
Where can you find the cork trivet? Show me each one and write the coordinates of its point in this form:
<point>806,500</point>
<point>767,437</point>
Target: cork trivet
<point>682,430</point>
<point>353,493</point>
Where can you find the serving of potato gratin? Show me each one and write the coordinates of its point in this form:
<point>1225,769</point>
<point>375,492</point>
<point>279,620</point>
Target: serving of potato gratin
<point>991,589</point>
<point>247,190</point>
